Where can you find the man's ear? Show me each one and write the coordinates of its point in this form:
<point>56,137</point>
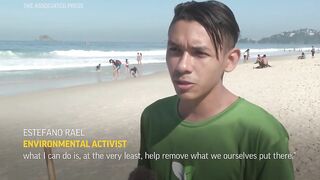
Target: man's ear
<point>233,57</point>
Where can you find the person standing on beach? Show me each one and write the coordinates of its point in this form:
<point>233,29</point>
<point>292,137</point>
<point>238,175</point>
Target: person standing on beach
<point>139,57</point>
<point>205,131</point>
<point>313,51</point>
<point>116,64</point>
<point>127,65</point>
<point>246,55</point>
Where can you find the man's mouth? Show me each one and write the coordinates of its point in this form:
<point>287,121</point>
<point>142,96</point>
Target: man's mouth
<point>183,85</point>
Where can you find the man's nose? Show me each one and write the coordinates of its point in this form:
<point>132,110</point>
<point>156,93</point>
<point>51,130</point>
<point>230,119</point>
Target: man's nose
<point>185,63</point>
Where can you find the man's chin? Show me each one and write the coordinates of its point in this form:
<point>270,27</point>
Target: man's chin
<point>186,96</point>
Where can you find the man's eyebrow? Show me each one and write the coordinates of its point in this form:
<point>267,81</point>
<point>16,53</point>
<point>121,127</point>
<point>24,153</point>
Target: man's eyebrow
<point>195,47</point>
<point>200,48</point>
<point>171,43</point>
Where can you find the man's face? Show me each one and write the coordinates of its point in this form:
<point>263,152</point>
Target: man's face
<point>193,65</point>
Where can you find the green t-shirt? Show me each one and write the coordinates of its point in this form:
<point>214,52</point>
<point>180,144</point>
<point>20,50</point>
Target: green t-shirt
<point>240,135</point>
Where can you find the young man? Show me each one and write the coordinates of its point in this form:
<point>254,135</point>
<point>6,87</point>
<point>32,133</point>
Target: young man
<point>204,117</point>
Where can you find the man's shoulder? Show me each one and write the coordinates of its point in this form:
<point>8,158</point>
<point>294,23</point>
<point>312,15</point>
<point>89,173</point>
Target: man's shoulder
<point>161,113</point>
<point>162,104</point>
<point>255,117</point>
<point>251,110</point>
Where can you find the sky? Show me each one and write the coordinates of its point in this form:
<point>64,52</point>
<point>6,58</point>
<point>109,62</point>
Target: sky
<point>141,20</point>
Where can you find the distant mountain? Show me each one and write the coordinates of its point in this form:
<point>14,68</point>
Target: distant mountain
<point>246,40</point>
<point>45,38</point>
<point>301,36</point>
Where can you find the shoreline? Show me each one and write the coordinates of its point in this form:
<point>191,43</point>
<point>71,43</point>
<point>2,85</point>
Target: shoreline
<point>43,80</point>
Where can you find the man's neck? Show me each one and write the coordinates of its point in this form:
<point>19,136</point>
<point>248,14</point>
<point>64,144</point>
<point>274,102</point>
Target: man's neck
<point>215,102</point>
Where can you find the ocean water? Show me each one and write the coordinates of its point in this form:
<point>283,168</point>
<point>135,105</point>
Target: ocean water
<point>32,55</point>
<point>27,66</point>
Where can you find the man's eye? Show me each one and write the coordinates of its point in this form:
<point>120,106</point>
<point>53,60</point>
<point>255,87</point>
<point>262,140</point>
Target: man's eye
<point>201,54</point>
<point>173,49</point>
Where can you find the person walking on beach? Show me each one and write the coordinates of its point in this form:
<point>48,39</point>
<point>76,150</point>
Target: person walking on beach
<point>98,67</point>
<point>139,57</point>
<point>204,118</point>
<point>246,55</point>
<point>313,51</point>
<point>127,65</point>
<point>116,64</point>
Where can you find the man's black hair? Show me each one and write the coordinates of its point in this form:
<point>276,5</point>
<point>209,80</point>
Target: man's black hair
<point>215,17</point>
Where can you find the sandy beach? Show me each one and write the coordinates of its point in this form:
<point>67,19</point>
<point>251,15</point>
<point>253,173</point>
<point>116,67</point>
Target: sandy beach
<point>289,90</point>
